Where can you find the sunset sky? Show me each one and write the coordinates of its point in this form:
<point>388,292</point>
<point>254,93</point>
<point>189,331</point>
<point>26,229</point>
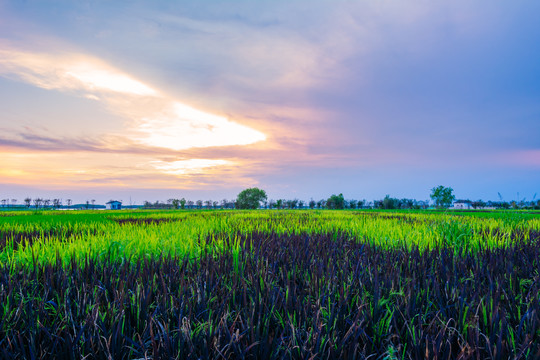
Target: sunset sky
<point>152,100</point>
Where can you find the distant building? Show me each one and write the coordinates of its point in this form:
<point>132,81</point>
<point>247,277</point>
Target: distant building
<point>114,205</point>
<point>462,205</point>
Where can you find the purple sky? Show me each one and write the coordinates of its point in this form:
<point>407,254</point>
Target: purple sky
<point>201,99</point>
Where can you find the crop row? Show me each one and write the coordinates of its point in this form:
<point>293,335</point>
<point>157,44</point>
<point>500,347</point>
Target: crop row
<point>23,239</point>
<point>270,296</point>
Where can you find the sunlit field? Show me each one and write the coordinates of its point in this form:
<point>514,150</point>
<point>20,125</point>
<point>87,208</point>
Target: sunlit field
<point>269,284</point>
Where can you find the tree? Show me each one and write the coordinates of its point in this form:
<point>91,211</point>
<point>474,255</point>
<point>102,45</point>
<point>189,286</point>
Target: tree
<point>57,203</point>
<point>443,196</point>
<point>37,202</point>
<point>250,198</point>
<point>182,203</point>
<point>27,202</point>
<point>335,202</point>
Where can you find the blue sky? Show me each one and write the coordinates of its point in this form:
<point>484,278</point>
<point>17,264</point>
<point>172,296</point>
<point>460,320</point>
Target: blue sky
<point>194,99</point>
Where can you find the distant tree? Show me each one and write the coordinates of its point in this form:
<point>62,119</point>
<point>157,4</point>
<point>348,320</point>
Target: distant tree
<point>353,204</point>
<point>87,204</point>
<point>336,202</point>
<point>215,204</point>
<point>443,196</point>
<point>224,203</point>
<point>199,204</point>
<point>175,203</point>
<point>57,203</point>
<point>182,203</point>
<point>190,204</point>
<point>69,201</point>
<point>38,202</point>
<point>271,204</point>
<point>478,204</point>
<point>292,204</point>
<point>389,202</point>
<point>279,203</point>
<point>208,204</point>
<point>250,198</point>
<point>312,203</point>
<point>27,202</point>
<point>4,202</point>
<point>301,204</point>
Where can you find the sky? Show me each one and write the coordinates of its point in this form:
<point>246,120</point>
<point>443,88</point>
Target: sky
<point>151,100</point>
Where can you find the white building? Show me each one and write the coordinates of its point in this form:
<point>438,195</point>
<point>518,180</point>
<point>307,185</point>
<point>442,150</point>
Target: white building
<point>462,205</point>
<point>114,205</point>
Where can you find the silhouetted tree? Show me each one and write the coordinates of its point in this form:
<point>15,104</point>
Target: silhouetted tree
<point>38,202</point>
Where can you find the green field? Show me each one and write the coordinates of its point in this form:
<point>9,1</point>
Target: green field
<point>269,284</point>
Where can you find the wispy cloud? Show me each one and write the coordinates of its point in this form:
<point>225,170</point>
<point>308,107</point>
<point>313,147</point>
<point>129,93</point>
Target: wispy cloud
<point>152,118</point>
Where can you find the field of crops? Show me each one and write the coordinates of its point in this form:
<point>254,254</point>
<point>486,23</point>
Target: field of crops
<point>269,285</point>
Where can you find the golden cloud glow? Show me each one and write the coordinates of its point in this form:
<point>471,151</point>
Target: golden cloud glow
<point>185,167</point>
<point>102,79</point>
<point>152,119</point>
<point>184,127</point>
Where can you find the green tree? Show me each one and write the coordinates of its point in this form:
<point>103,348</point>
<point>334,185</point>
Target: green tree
<point>443,196</point>
<point>250,198</point>
<point>182,203</point>
<point>336,202</point>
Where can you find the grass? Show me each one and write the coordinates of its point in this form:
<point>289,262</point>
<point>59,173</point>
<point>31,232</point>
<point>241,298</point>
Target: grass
<point>269,285</point>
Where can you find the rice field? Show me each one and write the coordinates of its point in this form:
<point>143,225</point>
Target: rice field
<point>314,284</point>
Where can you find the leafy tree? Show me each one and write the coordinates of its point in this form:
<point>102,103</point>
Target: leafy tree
<point>335,202</point>
<point>182,203</point>
<point>443,196</point>
<point>250,198</point>
<point>312,203</point>
<point>27,202</point>
<point>478,204</point>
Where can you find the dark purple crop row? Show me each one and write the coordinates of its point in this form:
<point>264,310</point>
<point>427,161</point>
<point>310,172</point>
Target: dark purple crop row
<point>320,296</point>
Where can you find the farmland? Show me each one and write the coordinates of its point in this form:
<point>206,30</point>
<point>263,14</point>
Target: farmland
<point>269,284</point>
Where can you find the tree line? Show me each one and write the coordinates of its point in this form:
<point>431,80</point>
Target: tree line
<point>255,198</point>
